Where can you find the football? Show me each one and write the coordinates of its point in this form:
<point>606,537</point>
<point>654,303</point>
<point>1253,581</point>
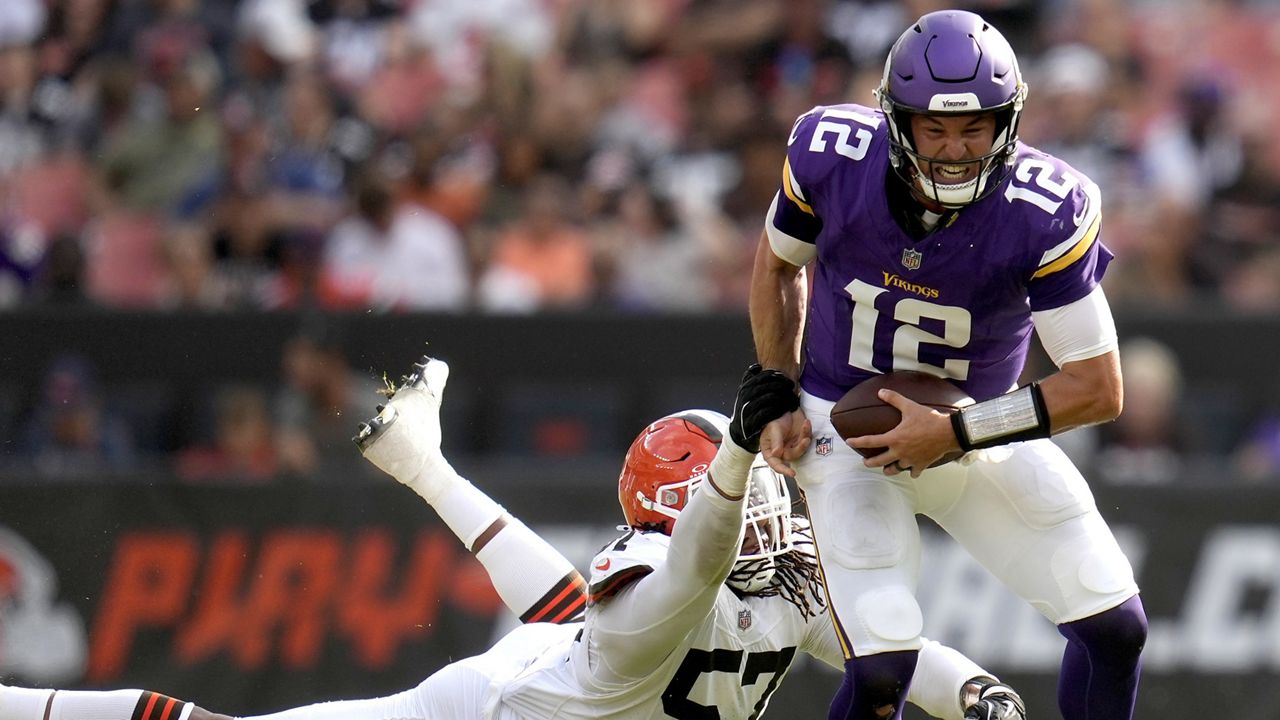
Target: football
<point>861,412</point>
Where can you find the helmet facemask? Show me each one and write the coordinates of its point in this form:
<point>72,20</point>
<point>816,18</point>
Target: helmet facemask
<point>917,170</point>
<point>669,498</point>
<point>766,530</point>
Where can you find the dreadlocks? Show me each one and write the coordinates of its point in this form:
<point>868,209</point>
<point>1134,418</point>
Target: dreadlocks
<point>796,578</point>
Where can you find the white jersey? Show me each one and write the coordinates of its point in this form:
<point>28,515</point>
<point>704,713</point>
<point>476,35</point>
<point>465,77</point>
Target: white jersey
<point>731,661</point>
<point>700,652</point>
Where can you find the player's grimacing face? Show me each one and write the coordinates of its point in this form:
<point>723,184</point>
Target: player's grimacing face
<point>957,138</point>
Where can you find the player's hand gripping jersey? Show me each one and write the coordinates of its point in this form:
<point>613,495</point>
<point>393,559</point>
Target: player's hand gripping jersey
<point>954,303</point>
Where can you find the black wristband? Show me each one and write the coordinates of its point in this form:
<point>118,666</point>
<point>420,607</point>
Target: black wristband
<point>1012,417</point>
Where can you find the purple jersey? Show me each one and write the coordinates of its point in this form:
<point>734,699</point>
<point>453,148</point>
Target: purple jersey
<point>956,303</point>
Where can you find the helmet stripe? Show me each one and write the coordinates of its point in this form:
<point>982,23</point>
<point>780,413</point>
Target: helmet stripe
<point>705,421</point>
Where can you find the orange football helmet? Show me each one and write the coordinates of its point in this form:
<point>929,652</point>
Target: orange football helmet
<point>668,461</point>
<point>663,465</point>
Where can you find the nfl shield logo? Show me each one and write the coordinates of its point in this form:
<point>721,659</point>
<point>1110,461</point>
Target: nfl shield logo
<point>911,259</point>
<point>823,447</point>
<point>744,619</point>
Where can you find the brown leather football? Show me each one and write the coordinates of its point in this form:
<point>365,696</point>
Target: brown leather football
<point>861,412</point>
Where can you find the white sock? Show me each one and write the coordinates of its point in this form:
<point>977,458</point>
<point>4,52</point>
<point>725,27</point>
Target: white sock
<point>117,705</point>
<point>465,509</point>
<point>535,581</point>
<point>18,703</point>
<point>532,578</point>
<point>940,673</point>
<point>435,478</point>
<point>93,705</point>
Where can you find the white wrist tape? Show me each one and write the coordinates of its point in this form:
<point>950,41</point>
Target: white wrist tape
<point>730,468</point>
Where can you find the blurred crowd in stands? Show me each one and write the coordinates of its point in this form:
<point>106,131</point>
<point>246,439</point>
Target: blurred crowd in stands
<point>517,156</point>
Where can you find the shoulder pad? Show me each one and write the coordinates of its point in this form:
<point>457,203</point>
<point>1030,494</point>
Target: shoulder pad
<point>624,561</point>
<point>1059,207</point>
<point>825,138</point>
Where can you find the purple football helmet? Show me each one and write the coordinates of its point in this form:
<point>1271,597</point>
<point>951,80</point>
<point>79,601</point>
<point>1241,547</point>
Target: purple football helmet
<point>951,63</point>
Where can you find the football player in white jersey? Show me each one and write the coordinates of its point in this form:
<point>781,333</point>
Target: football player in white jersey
<point>731,593</point>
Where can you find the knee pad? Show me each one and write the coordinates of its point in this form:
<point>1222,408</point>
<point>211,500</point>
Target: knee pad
<point>891,618</point>
<point>1091,573</point>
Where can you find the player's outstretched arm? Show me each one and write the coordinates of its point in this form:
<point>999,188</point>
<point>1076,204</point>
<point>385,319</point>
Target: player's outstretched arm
<point>637,628</point>
<point>534,580</point>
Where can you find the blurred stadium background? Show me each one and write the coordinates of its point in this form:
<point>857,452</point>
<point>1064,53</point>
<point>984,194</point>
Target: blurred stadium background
<point>221,221</point>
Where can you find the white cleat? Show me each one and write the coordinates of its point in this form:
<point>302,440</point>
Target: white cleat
<point>403,439</point>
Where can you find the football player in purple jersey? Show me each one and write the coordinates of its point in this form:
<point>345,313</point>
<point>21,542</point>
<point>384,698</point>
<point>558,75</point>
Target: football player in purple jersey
<point>937,242</point>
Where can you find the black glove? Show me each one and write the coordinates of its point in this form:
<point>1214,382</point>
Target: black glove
<point>763,396</point>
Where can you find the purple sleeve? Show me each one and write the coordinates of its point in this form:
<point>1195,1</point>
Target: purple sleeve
<point>795,213</point>
<point>1068,258</point>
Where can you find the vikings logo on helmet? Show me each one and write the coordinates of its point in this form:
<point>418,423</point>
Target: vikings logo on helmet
<point>40,639</point>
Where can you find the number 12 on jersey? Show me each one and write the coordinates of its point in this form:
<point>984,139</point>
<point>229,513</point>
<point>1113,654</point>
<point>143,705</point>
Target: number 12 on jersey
<point>855,150</point>
<point>908,314</point>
